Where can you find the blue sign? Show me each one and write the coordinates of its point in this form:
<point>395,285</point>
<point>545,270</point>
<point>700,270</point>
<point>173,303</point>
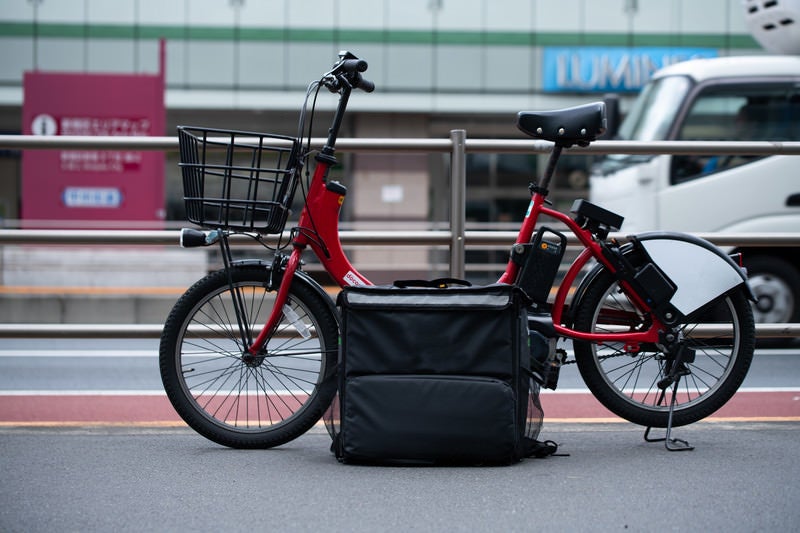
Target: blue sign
<point>609,69</point>
<point>107,197</point>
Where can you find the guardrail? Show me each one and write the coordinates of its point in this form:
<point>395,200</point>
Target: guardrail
<point>438,237</point>
<point>457,237</point>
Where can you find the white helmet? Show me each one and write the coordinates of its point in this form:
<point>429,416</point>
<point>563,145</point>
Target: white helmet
<point>775,24</point>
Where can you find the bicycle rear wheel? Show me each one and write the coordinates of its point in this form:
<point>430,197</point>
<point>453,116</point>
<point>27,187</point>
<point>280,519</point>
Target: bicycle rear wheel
<point>233,398</point>
<point>721,334</point>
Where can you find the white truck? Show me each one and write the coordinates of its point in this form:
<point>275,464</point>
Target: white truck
<point>749,98</point>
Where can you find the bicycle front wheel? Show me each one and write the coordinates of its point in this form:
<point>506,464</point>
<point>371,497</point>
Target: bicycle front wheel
<point>223,392</point>
<point>625,381</point>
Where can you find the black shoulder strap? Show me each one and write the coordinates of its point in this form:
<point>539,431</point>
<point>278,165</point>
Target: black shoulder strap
<point>540,449</point>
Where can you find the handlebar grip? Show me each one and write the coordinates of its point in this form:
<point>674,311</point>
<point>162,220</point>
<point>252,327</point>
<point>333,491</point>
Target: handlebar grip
<point>354,65</point>
<point>365,85</point>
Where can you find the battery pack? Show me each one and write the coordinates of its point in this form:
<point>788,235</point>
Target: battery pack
<point>540,261</point>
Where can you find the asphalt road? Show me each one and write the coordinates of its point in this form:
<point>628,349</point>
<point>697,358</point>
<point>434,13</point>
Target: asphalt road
<point>122,476</point>
<point>741,477</point>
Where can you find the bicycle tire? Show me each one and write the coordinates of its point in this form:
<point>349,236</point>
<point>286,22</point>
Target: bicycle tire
<point>626,383</point>
<point>261,403</point>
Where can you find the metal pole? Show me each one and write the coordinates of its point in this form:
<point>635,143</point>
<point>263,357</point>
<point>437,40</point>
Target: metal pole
<point>417,145</point>
<point>458,183</point>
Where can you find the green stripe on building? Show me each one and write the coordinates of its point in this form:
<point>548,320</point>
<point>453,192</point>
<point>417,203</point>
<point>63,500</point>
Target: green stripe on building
<point>418,37</point>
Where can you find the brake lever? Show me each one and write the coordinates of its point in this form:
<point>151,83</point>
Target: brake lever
<point>331,82</point>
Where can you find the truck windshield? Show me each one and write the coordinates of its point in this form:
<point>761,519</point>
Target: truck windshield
<point>654,110</point>
<point>650,119</point>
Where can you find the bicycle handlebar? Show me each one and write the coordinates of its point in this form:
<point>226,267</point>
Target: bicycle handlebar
<point>348,70</point>
<point>343,78</point>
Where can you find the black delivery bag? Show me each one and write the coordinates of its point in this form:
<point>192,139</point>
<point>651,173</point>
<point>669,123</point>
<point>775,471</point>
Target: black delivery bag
<point>434,375</point>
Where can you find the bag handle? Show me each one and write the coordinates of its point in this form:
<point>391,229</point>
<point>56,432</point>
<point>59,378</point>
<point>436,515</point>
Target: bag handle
<point>438,283</point>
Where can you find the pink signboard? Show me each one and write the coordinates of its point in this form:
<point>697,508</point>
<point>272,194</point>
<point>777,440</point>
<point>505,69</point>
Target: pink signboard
<point>92,185</point>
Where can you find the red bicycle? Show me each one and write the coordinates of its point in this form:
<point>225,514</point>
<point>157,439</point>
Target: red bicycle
<point>661,325</point>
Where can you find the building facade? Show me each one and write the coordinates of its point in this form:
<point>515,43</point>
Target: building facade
<point>438,65</point>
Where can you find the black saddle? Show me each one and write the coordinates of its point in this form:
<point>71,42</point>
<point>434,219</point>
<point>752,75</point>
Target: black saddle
<point>573,125</point>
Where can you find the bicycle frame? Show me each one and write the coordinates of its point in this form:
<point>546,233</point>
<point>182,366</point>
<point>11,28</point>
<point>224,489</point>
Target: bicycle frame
<point>318,228</point>
<point>664,303</point>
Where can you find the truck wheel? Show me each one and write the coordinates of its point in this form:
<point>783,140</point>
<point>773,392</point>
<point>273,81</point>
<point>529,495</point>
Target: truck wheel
<point>776,285</point>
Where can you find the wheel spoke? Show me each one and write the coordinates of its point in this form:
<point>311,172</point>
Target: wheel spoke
<point>236,398</point>
<point>626,381</point>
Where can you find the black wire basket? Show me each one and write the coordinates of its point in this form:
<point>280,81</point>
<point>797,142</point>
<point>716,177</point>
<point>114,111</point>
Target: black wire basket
<point>238,180</point>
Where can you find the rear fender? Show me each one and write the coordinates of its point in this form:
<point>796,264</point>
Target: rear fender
<point>700,271</point>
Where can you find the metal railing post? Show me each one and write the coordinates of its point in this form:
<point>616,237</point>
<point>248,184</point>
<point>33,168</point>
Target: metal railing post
<point>458,185</point>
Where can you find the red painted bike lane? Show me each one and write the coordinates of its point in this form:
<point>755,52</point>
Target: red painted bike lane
<point>155,409</point>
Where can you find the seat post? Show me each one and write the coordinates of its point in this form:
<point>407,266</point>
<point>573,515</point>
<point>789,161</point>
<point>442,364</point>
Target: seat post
<point>549,170</point>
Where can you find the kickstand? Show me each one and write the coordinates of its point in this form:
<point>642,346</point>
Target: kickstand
<point>672,445</point>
